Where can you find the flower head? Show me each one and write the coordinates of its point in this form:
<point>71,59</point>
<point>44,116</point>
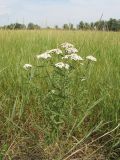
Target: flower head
<point>62,65</point>
<point>71,50</point>
<point>74,57</point>
<point>45,55</point>
<point>91,58</point>
<point>67,45</point>
<point>27,66</point>
<point>56,51</point>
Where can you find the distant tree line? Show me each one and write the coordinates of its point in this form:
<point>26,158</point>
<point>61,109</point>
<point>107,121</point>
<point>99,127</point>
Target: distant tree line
<point>109,25</point>
<point>30,26</point>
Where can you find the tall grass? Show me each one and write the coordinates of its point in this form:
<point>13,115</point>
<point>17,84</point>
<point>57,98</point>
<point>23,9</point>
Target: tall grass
<point>56,125</point>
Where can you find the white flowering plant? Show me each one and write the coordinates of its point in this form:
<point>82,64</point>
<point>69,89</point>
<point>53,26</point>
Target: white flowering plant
<point>58,69</point>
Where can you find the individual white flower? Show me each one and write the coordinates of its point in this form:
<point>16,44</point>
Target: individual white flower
<point>27,66</point>
<point>91,58</point>
<point>67,45</point>
<point>62,65</point>
<point>56,51</point>
<point>71,50</point>
<point>45,55</point>
<point>73,57</point>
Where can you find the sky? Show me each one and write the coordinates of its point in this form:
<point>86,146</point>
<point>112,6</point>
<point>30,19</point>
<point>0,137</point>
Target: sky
<point>57,12</point>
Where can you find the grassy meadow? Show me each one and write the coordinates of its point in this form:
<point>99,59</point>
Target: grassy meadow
<point>46,113</point>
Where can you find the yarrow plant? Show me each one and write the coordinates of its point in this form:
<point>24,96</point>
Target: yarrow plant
<point>59,78</point>
<point>69,57</point>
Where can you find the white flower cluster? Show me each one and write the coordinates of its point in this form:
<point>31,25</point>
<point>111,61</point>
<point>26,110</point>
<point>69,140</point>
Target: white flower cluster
<point>74,57</point>
<point>56,51</point>
<point>62,65</point>
<point>67,45</point>
<point>45,55</point>
<point>27,66</point>
<point>69,49</point>
<point>91,58</point>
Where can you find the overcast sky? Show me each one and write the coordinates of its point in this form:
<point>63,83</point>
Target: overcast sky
<point>51,12</point>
